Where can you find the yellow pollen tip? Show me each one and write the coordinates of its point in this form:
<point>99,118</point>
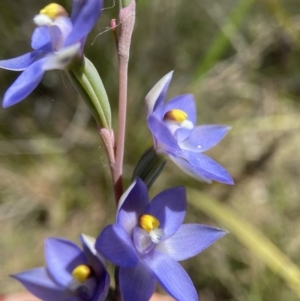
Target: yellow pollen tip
<point>148,222</point>
<point>81,273</point>
<point>176,115</point>
<point>53,10</point>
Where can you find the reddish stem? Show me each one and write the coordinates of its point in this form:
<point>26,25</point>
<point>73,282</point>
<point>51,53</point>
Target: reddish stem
<point>126,20</point>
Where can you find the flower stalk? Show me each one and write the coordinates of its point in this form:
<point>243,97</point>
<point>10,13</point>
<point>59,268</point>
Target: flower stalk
<point>126,20</point>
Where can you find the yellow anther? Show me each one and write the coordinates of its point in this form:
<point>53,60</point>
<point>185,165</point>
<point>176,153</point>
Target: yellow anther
<point>176,115</point>
<point>81,273</point>
<point>53,10</point>
<point>148,222</point>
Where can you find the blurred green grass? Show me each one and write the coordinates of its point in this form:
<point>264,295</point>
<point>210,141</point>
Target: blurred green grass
<point>54,177</point>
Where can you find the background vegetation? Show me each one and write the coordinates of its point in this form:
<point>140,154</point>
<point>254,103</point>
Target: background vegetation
<point>241,59</point>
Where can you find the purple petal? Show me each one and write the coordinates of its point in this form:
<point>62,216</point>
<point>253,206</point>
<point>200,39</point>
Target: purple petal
<point>84,20</point>
<point>186,103</point>
<point>38,282</point>
<point>189,240</point>
<point>62,257</point>
<point>164,140</point>
<point>76,8</point>
<point>115,244</point>
<point>204,137</point>
<point>132,205</point>
<point>171,276</point>
<point>19,63</point>
<point>24,84</point>
<point>202,167</point>
<point>94,259</point>
<point>73,298</point>
<point>103,288</point>
<point>169,207</point>
<point>156,97</point>
<point>40,37</point>
<point>137,283</point>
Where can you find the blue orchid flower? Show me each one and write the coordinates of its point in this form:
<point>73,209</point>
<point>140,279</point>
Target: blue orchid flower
<point>174,131</point>
<point>56,42</point>
<point>70,273</point>
<point>148,239</point>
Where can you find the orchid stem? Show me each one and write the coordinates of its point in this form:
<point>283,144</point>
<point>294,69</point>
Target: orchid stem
<point>126,20</point>
<point>123,81</point>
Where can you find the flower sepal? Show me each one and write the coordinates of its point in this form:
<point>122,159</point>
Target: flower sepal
<point>149,167</point>
<point>87,81</point>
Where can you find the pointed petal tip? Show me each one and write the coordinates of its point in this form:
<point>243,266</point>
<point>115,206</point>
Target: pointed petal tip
<point>227,128</point>
<point>226,179</point>
<point>159,88</point>
<point>216,232</point>
<point>229,181</point>
<point>5,105</point>
<point>225,231</point>
<point>86,238</point>
<point>222,231</point>
<point>21,276</point>
<point>88,241</point>
<point>18,277</point>
<point>9,101</point>
<point>14,276</point>
<point>170,73</point>
<point>168,76</point>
